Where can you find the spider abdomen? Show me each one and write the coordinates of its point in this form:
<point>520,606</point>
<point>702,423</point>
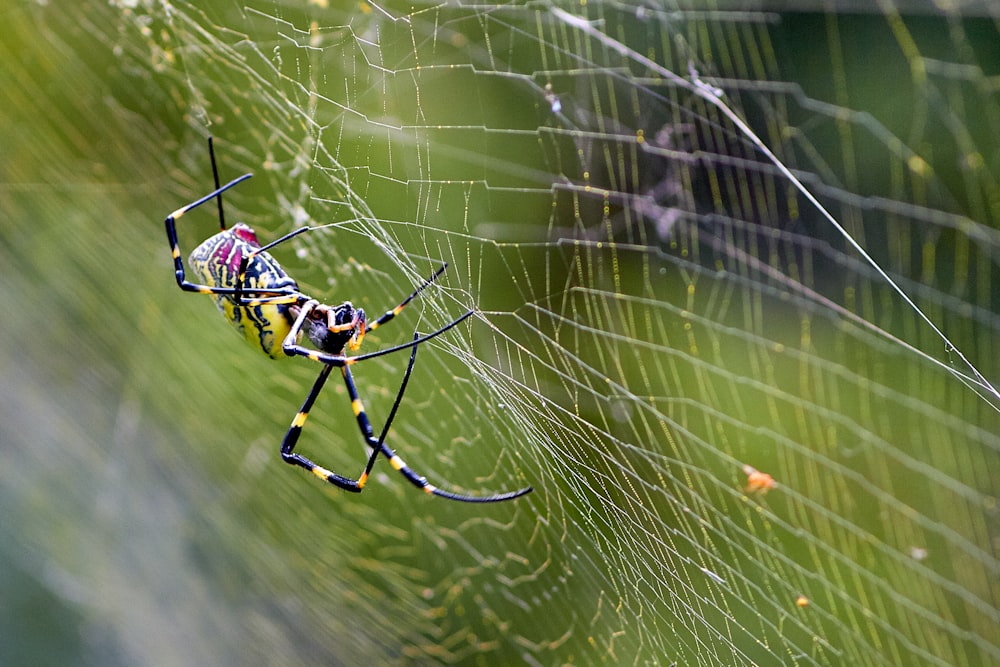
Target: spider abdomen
<point>217,263</point>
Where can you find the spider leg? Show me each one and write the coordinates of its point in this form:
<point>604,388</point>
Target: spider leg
<point>295,430</point>
<point>377,445</point>
<point>278,295</point>
<point>292,436</point>
<point>389,314</point>
<point>362,325</point>
<point>417,480</point>
<point>170,223</point>
<point>171,226</point>
<point>292,347</point>
<point>215,178</point>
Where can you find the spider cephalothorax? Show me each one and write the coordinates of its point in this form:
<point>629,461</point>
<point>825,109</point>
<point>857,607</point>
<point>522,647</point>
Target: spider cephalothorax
<point>332,328</point>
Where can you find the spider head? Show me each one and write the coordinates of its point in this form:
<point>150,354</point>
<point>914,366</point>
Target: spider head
<point>332,328</point>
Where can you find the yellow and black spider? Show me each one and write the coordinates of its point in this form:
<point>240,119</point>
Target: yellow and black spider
<point>257,296</point>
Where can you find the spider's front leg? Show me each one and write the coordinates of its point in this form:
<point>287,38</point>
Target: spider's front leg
<point>291,345</point>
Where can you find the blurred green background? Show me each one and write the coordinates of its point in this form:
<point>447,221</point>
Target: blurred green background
<point>146,515</point>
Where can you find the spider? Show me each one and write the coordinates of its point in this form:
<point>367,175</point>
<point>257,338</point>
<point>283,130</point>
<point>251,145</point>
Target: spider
<point>265,305</point>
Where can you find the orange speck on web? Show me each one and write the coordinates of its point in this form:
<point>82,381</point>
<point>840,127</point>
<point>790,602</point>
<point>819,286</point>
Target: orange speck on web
<point>757,481</point>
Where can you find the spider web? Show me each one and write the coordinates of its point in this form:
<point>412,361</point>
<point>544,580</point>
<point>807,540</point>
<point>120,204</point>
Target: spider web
<point>700,244</point>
